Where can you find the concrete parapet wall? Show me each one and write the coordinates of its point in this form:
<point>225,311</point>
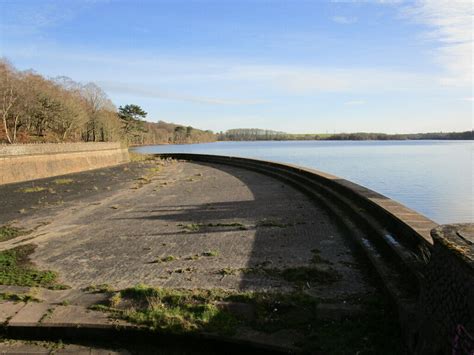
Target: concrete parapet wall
<point>23,162</point>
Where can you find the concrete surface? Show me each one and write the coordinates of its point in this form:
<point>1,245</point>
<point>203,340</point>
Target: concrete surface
<point>185,211</point>
<point>174,224</point>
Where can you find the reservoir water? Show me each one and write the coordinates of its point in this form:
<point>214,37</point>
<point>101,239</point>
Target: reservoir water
<point>434,178</point>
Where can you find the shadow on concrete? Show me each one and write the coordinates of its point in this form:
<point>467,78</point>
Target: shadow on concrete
<point>287,226</point>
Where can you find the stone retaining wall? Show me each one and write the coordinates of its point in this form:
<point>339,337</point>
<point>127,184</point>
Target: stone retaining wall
<point>23,162</point>
<point>446,303</point>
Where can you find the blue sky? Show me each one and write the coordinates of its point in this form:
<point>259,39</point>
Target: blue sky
<point>295,66</point>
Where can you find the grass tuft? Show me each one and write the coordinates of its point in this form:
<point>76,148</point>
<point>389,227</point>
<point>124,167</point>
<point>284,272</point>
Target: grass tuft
<point>192,227</point>
<point>137,157</point>
<point>16,269</point>
<point>102,288</point>
<point>18,297</point>
<point>227,271</point>
<point>166,259</point>
<point>210,253</point>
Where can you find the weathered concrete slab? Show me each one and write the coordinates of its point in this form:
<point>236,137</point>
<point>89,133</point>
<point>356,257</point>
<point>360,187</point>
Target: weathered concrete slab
<point>42,347</point>
<point>75,315</point>
<point>31,313</point>
<point>9,309</point>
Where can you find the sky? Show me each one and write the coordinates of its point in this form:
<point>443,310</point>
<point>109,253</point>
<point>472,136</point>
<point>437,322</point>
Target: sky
<point>297,66</point>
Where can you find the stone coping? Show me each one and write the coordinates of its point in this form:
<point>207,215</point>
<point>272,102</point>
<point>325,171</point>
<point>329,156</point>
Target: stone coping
<point>55,148</point>
<point>458,239</point>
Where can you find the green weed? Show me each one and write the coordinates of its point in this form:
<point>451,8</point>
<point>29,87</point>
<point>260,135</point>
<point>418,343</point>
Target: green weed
<point>8,232</point>
<point>16,269</point>
<point>32,189</point>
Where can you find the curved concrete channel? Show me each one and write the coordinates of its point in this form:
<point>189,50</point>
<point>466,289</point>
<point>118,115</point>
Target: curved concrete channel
<point>218,221</point>
<point>395,238</point>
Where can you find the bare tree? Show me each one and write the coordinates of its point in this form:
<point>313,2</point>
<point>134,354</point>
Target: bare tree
<point>97,102</point>
<point>9,97</point>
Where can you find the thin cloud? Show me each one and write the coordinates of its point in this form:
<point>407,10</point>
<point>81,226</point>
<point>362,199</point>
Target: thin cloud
<point>169,77</point>
<point>176,75</point>
<point>123,88</point>
<point>27,18</point>
<point>344,20</point>
<point>450,24</point>
<point>383,2</point>
<point>35,17</point>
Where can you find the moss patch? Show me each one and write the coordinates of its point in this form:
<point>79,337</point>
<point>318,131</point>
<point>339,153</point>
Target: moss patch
<point>269,223</point>
<point>8,232</point>
<point>32,189</point>
<point>63,181</point>
<point>16,269</point>
<point>196,227</point>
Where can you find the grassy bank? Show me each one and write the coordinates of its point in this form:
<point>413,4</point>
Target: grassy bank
<point>231,313</point>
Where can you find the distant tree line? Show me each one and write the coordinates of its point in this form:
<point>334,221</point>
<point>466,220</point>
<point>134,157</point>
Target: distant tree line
<point>254,134</point>
<point>250,134</point>
<point>467,135</point>
<point>36,109</point>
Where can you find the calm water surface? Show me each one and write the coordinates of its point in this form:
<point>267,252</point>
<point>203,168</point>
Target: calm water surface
<point>431,177</point>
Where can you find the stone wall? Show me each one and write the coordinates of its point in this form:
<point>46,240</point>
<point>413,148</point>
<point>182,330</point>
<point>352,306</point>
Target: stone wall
<point>446,304</point>
<point>23,162</point>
